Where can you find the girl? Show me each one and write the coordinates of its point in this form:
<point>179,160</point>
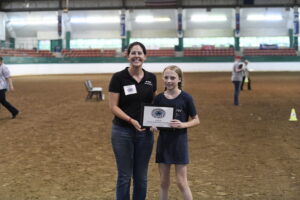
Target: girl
<point>172,146</point>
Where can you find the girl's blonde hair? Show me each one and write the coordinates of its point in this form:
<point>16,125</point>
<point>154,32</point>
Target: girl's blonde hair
<point>178,72</point>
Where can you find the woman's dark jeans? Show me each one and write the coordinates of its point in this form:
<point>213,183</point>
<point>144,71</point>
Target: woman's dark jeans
<point>237,87</point>
<point>132,151</point>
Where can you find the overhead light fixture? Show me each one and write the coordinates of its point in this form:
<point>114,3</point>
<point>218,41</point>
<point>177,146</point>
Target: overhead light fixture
<point>208,18</point>
<point>264,17</point>
<point>162,19</point>
<point>151,19</point>
<point>26,4</point>
<point>95,20</point>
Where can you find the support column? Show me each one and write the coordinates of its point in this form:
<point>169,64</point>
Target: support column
<point>66,30</point>
<point>291,37</point>
<point>123,31</point>
<point>12,43</point>
<point>128,36</point>
<point>296,28</point>
<point>2,26</point>
<point>237,30</point>
<point>3,44</point>
<point>68,39</point>
<point>180,31</point>
<point>57,45</point>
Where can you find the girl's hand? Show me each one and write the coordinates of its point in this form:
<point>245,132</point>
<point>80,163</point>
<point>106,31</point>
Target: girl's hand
<point>153,129</point>
<point>175,123</point>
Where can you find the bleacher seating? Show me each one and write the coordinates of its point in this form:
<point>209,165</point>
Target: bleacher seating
<point>270,52</point>
<point>189,52</point>
<point>25,53</point>
<point>209,52</point>
<point>108,53</point>
<point>161,53</point>
<point>89,53</point>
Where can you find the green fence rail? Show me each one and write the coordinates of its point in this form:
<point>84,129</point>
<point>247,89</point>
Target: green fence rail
<point>52,60</point>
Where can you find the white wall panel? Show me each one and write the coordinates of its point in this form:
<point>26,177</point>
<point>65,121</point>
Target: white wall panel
<point>47,35</point>
<point>263,32</point>
<point>195,33</point>
<point>154,34</point>
<point>2,26</point>
<point>26,43</point>
<point>95,34</point>
<point>96,68</point>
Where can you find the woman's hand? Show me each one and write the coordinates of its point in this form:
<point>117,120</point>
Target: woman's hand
<point>136,125</point>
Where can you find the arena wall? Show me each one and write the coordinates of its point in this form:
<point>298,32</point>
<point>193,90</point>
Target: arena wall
<point>95,68</point>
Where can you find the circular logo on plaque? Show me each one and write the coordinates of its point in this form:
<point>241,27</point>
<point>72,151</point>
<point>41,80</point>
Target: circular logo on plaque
<point>158,113</point>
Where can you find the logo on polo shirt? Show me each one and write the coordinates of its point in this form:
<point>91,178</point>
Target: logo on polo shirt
<point>178,112</point>
<point>148,83</point>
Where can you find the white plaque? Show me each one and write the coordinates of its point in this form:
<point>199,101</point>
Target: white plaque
<point>157,116</point>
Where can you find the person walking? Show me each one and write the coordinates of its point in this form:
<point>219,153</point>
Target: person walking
<point>236,78</point>
<point>172,144</point>
<point>132,144</point>
<point>5,85</point>
<point>246,76</point>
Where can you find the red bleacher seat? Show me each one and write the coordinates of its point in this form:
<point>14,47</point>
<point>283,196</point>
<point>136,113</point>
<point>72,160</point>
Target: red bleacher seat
<point>270,52</point>
<point>209,52</point>
<point>25,53</point>
<point>161,53</point>
<point>89,53</point>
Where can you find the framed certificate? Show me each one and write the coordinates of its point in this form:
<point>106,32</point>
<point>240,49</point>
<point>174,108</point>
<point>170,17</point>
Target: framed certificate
<point>157,116</point>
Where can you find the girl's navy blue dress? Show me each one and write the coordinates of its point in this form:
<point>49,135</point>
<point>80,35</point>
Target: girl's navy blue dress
<point>172,144</point>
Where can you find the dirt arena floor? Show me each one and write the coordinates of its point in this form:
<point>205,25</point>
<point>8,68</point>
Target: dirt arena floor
<point>59,147</point>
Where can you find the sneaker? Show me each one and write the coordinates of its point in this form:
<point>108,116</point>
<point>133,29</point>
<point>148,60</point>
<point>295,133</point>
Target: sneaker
<point>15,115</point>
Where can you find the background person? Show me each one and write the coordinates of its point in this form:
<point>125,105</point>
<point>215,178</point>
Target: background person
<point>246,76</point>
<point>172,144</point>
<point>5,85</point>
<point>132,145</point>
<point>236,78</point>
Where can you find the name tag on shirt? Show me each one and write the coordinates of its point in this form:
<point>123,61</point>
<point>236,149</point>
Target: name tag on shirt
<point>129,89</point>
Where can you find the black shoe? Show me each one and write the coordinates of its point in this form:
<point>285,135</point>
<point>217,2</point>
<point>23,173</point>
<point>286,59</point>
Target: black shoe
<point>15,115</point>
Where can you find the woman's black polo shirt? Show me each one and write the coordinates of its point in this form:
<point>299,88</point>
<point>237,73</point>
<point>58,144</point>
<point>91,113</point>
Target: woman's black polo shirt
<point>132,93</point>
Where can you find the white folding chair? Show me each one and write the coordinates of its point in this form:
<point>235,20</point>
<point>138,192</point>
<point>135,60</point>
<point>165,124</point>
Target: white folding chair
<point>93,91</point>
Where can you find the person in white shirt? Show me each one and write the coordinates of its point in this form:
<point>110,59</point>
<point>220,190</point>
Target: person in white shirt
<point>6,84</point>
<point>236,78</point>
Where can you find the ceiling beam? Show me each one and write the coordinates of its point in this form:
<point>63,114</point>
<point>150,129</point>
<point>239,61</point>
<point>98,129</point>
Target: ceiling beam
<point>124,6</point>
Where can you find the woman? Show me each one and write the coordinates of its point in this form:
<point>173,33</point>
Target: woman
<point>172,144</point>
<point>132,145</point>
<point>236,78</point>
